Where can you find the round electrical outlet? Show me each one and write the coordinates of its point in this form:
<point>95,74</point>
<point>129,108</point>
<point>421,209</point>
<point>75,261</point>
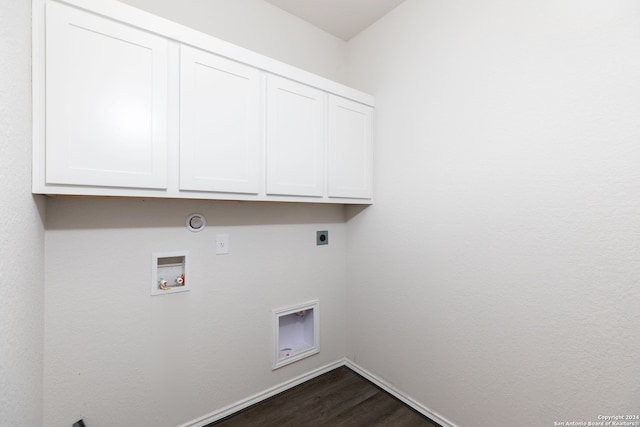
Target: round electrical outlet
<point>196,222</point>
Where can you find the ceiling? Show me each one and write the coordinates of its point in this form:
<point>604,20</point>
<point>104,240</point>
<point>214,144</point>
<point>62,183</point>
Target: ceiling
<point>342,18</point>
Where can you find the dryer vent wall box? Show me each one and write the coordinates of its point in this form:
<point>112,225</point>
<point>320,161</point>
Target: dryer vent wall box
<point>170,273</point>
<point>296,333</point>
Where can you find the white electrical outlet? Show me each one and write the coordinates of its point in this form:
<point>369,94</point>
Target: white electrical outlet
<point>222,244</point>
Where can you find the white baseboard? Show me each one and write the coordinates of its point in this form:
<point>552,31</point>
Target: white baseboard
<point>259,397</point>
<point>398,394</point>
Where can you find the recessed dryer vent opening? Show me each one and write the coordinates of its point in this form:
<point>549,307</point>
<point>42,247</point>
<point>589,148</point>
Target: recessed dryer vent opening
<point>296,333</point>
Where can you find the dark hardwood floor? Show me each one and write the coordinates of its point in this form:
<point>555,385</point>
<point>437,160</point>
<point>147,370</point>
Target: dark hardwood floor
<point>336,399</point>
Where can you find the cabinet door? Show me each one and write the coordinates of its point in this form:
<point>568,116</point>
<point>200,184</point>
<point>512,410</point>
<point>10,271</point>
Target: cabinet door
<point>221,140</point>
<point>106,102</point>
<point>350,149</point>
<point>295,138</point>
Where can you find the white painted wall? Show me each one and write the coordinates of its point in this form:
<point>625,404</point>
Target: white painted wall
<point>117,356</point>
<point>21,229</point>
<point>496,279</point>
<point>114,355</point>
<point>261,27</point>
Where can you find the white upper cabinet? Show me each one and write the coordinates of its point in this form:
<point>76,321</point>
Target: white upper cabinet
<point>106,102</point>
<point>350,149</point>
<point>296,116</point>
<point>128,104</point>
<point>221,134</point>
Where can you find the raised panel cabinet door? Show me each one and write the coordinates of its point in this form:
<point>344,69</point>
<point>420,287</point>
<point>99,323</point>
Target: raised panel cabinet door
<point>106,102</point>
<point>349,149</point>
<point>296,123</point>
<point>221,137</point>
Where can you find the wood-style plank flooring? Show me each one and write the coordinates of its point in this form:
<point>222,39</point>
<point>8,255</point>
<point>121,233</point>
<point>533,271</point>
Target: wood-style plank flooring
<point>338,398</point>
